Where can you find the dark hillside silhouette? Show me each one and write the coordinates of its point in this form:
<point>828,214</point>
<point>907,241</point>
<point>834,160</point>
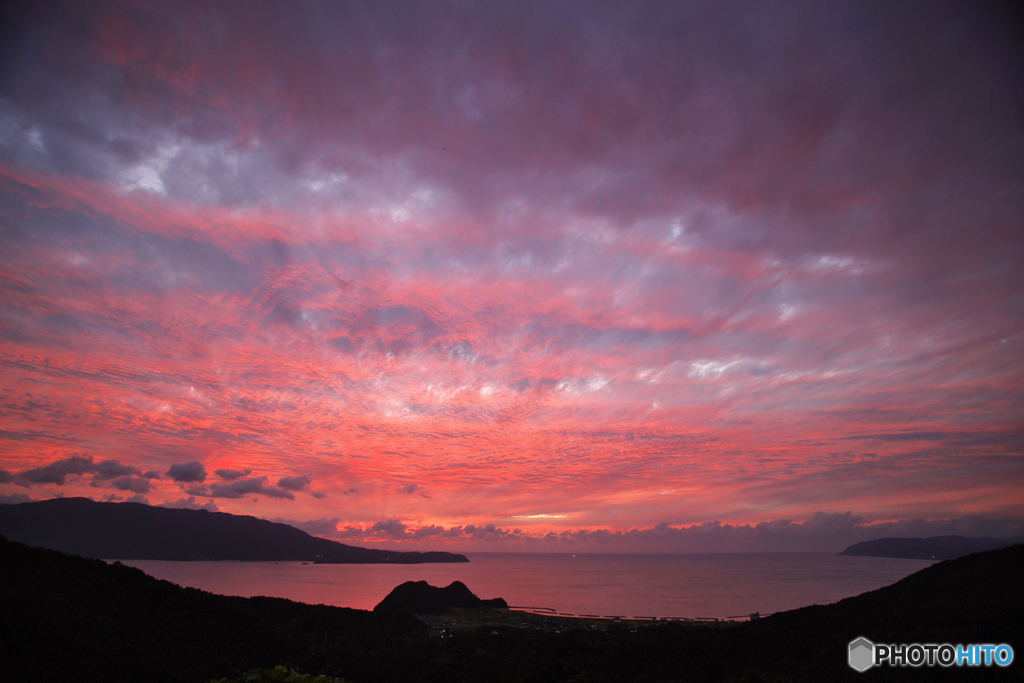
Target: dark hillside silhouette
<point>67,618</point>
<point>132,531</point>
<point>70,618</point>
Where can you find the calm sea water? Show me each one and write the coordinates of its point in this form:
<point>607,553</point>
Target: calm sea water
<point>661,586</point>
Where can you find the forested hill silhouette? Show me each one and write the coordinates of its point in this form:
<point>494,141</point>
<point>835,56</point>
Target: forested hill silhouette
<point>132,531</point>
<point>933,548</point>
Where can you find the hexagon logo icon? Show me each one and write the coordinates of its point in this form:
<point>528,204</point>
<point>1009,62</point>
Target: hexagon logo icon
<point>862,654</point>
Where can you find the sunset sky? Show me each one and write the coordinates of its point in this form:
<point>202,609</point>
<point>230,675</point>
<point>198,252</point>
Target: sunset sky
<point>605,276</point>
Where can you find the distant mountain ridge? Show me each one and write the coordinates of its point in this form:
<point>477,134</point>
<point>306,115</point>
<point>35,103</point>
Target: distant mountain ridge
<point>133,531</point>
<point>933,548</point>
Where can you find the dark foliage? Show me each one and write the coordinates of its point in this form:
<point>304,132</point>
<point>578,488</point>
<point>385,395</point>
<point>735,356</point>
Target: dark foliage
<point>68,618</point>
<point>132,531</point>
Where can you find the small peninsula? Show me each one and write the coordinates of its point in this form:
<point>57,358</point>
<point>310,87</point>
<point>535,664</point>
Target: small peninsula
<point>133,531</point>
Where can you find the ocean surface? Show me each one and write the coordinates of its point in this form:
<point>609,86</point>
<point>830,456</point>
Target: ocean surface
<point>681,586</point>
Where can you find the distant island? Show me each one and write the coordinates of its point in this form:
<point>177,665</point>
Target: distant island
<point>132,531</point>
<point>934,548</point>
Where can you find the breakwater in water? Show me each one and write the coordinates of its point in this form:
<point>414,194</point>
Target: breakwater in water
<point>551,612</point>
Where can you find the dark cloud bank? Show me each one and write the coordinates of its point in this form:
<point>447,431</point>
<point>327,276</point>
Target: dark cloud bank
<point>821,533</point>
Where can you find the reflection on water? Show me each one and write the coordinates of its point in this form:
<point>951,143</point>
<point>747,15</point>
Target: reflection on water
<point>609,585</point>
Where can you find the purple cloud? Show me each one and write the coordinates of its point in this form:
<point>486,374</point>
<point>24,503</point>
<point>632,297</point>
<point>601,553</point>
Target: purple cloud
<point>57,472</point>
<point>231,475</point>
<point>294,483</point>
<point>388,528</point>
<point>247,486</point>
<point>324,527</point>
<point>191,503</point>
<point>131,483</point>
<point>112,469</point>
<point>192,471</point>
<point>15,498</point>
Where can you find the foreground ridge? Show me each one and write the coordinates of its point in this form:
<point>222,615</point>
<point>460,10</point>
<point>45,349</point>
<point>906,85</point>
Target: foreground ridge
<point>71,618</point>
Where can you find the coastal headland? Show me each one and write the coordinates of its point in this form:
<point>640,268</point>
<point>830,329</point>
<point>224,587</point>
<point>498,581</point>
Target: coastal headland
<point>132,531</point>
<point>933,548</point>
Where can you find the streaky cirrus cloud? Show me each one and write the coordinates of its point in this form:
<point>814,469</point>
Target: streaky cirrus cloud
<point>568,269</point>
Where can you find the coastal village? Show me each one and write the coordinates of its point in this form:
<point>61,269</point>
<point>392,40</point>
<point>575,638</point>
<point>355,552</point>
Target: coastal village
<point>455,608</point>
<point>549,621</point>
